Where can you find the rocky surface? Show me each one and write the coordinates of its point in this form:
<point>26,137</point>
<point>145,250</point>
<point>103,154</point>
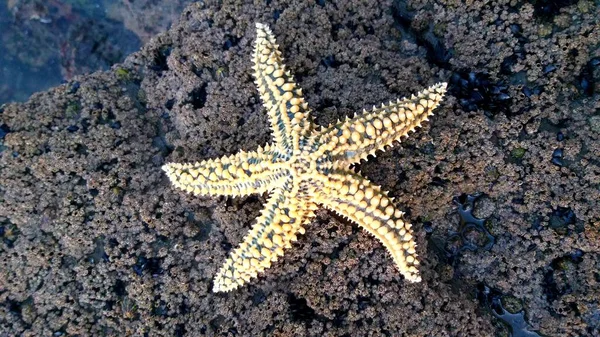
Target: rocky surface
<point>95,241</point>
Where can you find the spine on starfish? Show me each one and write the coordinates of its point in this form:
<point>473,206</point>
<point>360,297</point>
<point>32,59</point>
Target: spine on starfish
<point>283,99</point>
<point>237,175</point>
<point>364,203</point>
<point>349,141</point>
<point>275,230</point>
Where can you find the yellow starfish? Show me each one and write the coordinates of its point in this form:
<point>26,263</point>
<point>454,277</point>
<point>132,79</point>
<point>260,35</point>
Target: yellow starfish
<point>306,166</point>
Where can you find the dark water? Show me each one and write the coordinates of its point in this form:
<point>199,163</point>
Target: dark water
<point>46,42</point>
<point>24,68</point>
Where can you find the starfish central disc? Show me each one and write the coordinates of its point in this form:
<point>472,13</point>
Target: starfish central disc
<point>307,166</point>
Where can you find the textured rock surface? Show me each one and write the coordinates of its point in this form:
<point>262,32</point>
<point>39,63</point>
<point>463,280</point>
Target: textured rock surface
<point>95,241</point>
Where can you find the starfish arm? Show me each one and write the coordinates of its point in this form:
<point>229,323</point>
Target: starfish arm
<point>236,175</point>
<point>352,140</point>
<point>356,198</point>
<point>283,99</point>
<point>276,228</point>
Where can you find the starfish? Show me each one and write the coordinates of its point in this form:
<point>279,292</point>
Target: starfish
<point>307,166</point>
